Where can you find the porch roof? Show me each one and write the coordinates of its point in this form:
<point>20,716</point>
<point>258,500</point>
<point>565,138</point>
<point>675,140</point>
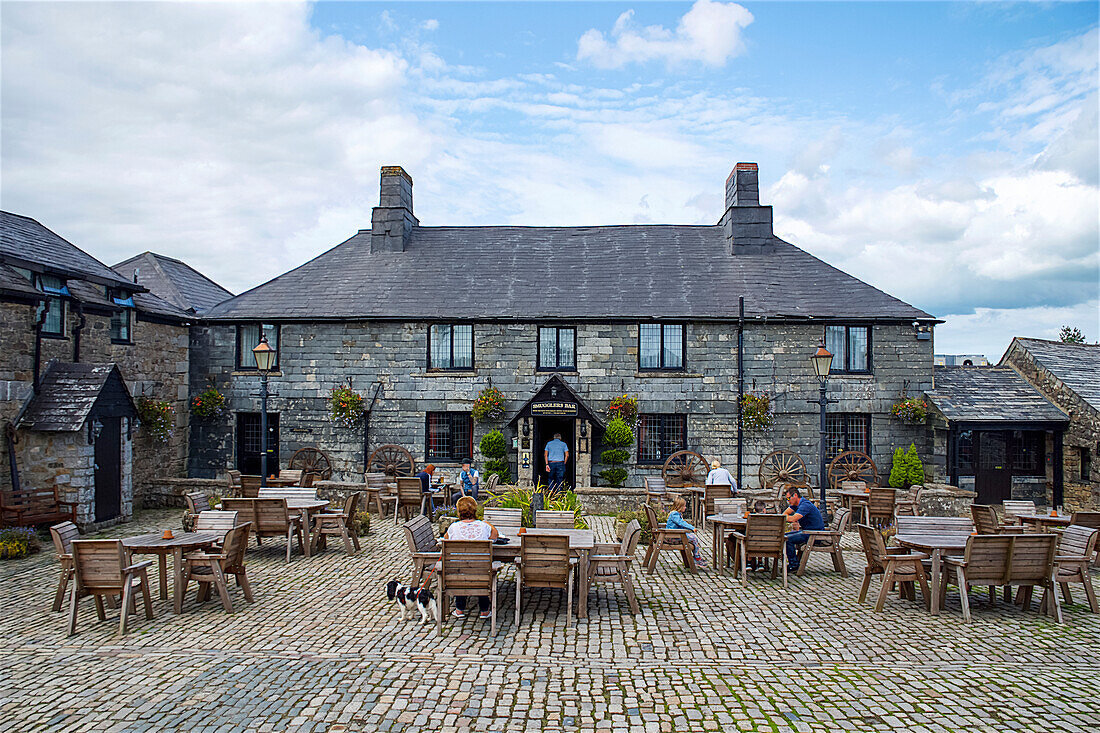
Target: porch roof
<point>991,395</point>
<point>70,393</point>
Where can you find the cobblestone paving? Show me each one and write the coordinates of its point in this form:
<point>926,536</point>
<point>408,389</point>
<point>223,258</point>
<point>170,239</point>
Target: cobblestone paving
<point>320,649</point>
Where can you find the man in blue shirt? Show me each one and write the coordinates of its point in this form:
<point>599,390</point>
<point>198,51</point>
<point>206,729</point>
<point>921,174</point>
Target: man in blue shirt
<point>805,517</point>
<point>469,482</point>
<point>556,455</point>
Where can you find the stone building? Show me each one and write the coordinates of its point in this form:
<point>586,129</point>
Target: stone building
<point>1069,376</point>
<point>420,319</point>
<point>67,318</point>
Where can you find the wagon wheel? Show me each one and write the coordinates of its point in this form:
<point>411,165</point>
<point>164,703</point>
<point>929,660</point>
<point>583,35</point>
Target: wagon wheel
<point>392,460</point>
<point>852,465</point>
<point>782,467</point>
<point>312,460</point>
<point>684,468</point>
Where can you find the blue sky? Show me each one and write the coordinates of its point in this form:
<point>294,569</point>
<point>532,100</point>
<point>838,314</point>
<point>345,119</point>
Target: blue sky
<point>944,152</point>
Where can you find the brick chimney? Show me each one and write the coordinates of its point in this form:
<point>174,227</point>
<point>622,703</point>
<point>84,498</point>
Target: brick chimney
<point>747,224</point>
<point>392,221</point>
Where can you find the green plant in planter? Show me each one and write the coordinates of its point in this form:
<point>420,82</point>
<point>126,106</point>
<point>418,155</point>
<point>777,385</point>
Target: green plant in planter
<point>17,542</point>
<point>156,417</point>
<point>519,497</point>
<point>625,407</point>
<point>912,410</point>
<point>898,470</point>
<point>345,407</point>
<point>618,436</point>
<point>494,447</point>
<point>756,413</point>
<point>914,468</point>
<point>489,405</point>
<point>208,404</point>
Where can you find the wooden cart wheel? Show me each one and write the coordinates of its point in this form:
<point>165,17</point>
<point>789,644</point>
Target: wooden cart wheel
<point>312,460</point>
<point>783,467</point>
<point>685,468</point>
<point>392,460</point>
<point>852,465</point>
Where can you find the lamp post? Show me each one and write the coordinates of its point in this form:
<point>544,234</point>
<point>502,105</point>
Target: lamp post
<point>265,360</point>
<point>822,361</point>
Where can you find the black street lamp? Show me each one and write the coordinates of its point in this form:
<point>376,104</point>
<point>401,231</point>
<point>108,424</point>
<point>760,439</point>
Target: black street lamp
<point>822,361</point>
<point>265,361</point>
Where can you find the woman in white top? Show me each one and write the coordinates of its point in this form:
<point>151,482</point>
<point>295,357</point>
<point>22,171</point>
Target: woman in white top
<point>719,475</point>
<point>469,527</point>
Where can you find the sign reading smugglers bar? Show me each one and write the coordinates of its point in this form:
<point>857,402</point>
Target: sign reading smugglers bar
<point>554,409</point>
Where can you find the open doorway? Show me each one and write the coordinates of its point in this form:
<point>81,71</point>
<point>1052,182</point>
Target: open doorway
<point>545,427</point>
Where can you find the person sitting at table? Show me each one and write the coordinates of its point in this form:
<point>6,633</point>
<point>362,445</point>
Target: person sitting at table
<point>469,482</point>
<point>804,517</point>
<point>469,527</point>
<point>676,521</point>
<point>427,504</point>
<point>720,476</point>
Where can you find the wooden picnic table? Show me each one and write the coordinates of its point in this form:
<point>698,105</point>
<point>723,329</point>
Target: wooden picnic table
<point>1045,520</point>
<point>581,544</point>
<point>276,482</point>
<point>720,524</point>
<point>935,545</point>
<point>155,544</point>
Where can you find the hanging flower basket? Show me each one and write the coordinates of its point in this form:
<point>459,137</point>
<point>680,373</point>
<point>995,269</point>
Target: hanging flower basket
<point>208,405</point>
<point>345,407</point>
<point>489,405</point>
<point>156,417</point>
<point>625,408</point>
<point>756,413</point>
<point>912,410</point>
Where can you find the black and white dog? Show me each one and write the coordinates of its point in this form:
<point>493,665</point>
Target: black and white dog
<point>409,599</point>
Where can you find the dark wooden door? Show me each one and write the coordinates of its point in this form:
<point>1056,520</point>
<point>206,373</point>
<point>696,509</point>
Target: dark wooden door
<point>993,472</point>
<point>248,443</point>
<point>108,470</point>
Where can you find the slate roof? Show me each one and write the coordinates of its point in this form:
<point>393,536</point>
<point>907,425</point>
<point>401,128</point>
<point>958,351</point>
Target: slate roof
<point>67,395</point>
<point>24,241</point>
<point>1077,365</point>
<point>990,395</point>
<point>574,273</point>
<point>173,281</point>
<point>11,282</point>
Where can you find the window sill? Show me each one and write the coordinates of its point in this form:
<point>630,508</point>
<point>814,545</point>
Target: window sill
<point>116,342</point>
<point>254,373</point>
<point>55,336</point>
<point>852,375</point>
<point>447,373</point>
<point>550,370</point>
<point>664,373</point>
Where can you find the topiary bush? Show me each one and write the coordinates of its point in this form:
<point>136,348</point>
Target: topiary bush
<point>914,474</point>
<point>898,470</point>
<point>494,447</point>
<point>615,456</point>
<point>617,436</point>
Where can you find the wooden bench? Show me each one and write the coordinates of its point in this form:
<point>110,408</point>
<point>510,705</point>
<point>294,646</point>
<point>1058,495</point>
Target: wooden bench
<point>30,507</point>
<point>933,526</point>
<point>1025,560</point>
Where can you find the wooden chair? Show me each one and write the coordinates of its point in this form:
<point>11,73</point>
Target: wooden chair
<point>467,568</point>
<point>879,511</point>
<point>505,517</point>
<point>551,519</point>
<point>216,521</point>
<point>710,493</point>
<point>410,500</point>
<point>273,520</point>
<point>1033,565</point>
<point>1013,509</point>
<point>32,506</point>
<point>1092,521</point>
<point>731,506</point>
<point>197,502</point>
<point>342,524</point>
<point>1076,547</point>
<point>307,479</point>
<point>544,562</point>
<point>662,538</point>
<point>987,561</point>
<point>827,540</point>
<point>763,539</point>
<point>933,525</point>
<point>378,493</point>
<point>609,563</point>
<point>423,547</point>
<point>986,522</point>
<point>909,506</point>
<point>291,474</point>
<point>491,483</point>
<point>210,569</point>
<point>234,481</point>
<point>100,570</point>
<point>895,565</point>
<point>655,489</point>
<point>63,535</point>
<point>246,512</point>
<point>250,486</point>
<point>288,492</point>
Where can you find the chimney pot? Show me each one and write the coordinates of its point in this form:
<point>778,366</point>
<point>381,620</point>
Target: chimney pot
<point>742,186</point>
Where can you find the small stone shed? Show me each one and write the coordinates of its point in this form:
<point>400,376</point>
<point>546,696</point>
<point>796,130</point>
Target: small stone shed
<point>76,433</point>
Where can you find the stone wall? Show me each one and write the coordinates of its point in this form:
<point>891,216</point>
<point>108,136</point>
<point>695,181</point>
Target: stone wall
<point>16,367</point>
<point>1080,493</point>
<point>315,357</point>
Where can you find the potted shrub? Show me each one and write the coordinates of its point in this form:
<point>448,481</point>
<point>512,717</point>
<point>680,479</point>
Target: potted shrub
<point>494,447</point>
<point>489,405</point>
<point>618,435</point>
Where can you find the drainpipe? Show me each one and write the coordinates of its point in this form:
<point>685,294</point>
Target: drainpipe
<point>366,427</point>
<point>740,379</point>
<point>37,378</point>
<point>77,330</point>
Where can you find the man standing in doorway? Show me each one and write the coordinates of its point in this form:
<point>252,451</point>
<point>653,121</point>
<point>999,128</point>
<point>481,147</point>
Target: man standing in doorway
<point>556,456</point>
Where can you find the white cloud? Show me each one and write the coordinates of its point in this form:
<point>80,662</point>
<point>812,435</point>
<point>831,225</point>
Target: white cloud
<point>709,33</point>
<point>431,24</point>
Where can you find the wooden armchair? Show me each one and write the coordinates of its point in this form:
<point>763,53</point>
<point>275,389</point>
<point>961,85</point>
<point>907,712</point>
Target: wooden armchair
<point>909,506</point>
<point>341,524</point>
<point>234,481</point>
<point>378,492</point>
<point>291,474</point>
<point>63,535</point>
<point>610,563</point>
<point>763,539</point>
<point>987,561</point>
<point>100,569</point>
<point>895,565</point>
<point>505,517</point>
<point>986,522</point>
<point>1013,509</point>
<point>655,489</point>
<point>491,483</point>
<point>410,500</point>
<point>662,538</point>
<point>423,547</point>
<point>288,492</point>
<point>551,519</point>
<point>197,502</point>
<point>467,568</point>
<point>216,521</point>
<point>879,511</point>
<point>246,512</point>
<point>827,541</point>
<point>1092,521</point>
<point>210,569</point>
<point>273,520</point>
<point>710,494</point>
<point>1076,547</point>
<point>544,562</point>
<point>250,486</point>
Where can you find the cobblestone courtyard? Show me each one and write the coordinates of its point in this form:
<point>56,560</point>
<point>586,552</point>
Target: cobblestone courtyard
<point>320,649</point>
